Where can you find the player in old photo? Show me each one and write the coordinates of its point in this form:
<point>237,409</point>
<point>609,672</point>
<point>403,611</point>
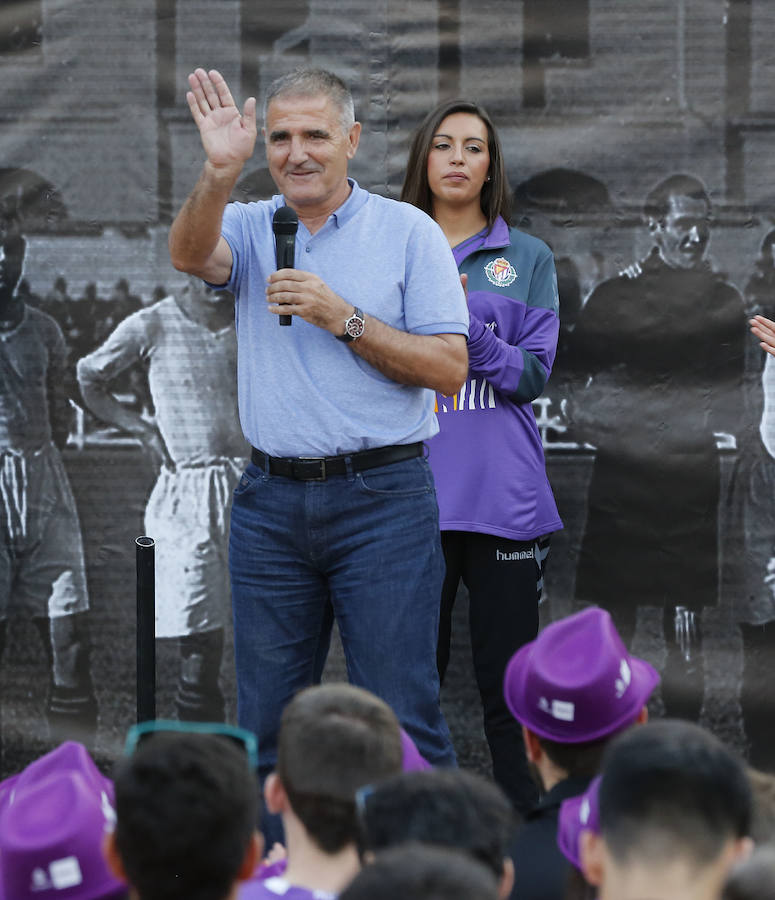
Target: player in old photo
<point>187,345</point>
<point>42,568</point>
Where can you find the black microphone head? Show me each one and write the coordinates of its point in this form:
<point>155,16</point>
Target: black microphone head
<point>285,221</point>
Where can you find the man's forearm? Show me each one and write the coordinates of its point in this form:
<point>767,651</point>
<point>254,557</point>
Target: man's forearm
<point>436,361</point>
<point>59,412</point>
<point>195,234</point>
<point>105,407</point>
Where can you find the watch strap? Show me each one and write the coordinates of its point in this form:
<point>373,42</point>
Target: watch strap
<point>353,326</point>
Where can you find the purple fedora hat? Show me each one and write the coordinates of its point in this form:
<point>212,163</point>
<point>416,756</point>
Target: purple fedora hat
<point>67,757</point>
<point>576,681</point>
<point>53,818</point>
<point>51,842</point>
<point>578,814</point>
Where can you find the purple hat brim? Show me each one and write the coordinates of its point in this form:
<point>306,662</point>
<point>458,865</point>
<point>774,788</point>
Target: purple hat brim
<point>644,679</point>
<point>412,760</point>
<point>569,824</point>
<point>116,891</point>
<point>569,809</point>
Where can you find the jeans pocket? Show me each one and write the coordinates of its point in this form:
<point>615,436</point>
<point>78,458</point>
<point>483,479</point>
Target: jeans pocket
<point>412,477</point>
<point>251,477</point>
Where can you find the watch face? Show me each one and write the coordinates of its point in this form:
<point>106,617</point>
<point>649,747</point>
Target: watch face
<point>354,327</point>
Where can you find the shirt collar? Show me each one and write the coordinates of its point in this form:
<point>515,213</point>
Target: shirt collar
<point>496,237</point>
<point>568,787</point>
<point>356,199</point>
<point>351,205</point>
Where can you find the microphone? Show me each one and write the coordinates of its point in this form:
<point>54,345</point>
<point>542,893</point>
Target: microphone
<point>285,222</point>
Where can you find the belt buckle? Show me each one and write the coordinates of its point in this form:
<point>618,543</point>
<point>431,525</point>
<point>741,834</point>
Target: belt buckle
<point>304,465</point>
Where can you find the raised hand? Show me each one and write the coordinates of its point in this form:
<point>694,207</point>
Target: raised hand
<point>227,137</point>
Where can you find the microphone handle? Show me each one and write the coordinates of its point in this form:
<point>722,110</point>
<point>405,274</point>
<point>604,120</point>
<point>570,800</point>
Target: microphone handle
<point>286,260</point>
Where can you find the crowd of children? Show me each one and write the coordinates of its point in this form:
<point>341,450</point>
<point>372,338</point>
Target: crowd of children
<point>628,809</point>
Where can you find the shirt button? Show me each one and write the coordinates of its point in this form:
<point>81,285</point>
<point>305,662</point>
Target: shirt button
<point>308,249</point>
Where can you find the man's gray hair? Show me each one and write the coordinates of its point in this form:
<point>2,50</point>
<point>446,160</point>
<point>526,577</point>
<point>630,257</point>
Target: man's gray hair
<point>312,83</point>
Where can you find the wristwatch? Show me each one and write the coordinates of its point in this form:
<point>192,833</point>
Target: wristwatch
<point>353,327</point>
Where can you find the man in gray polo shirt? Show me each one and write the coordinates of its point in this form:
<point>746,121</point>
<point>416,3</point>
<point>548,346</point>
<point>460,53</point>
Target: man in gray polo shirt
<point>338,503</point>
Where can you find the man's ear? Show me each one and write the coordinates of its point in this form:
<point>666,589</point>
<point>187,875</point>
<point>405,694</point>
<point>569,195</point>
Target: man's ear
<point>742,848</point>
<point>274,794</point>
<point>113,857</point>
<point>506,882</point>
<point>353,139</point>
<point>253,855</point>
<point>592,854</point>
<point>533,749</point>
<point>643,716</point>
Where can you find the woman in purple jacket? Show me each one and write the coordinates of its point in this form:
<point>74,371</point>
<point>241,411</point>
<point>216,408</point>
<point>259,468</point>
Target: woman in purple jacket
<point>496,507</point>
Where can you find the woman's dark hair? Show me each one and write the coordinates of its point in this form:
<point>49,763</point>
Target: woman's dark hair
<point>495,198</point>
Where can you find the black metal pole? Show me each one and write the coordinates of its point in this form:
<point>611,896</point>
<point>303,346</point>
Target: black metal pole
<point>146,628</point>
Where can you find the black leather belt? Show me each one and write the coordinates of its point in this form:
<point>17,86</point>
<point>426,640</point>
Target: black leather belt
<point>318,468</point>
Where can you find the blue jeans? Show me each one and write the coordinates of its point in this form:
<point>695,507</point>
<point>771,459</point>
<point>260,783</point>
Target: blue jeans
<point>369,543</point>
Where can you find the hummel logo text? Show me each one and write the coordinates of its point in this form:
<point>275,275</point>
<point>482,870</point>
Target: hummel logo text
<point>516,554</point>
